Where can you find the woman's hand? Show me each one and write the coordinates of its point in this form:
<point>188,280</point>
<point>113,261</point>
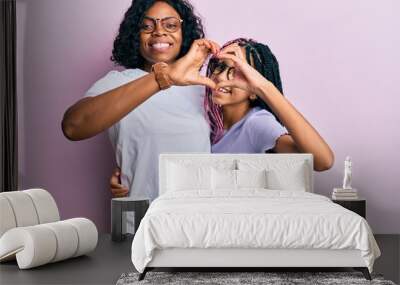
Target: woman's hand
<point>117,189</point>
<point>245,77</point>
<point>186,70</point>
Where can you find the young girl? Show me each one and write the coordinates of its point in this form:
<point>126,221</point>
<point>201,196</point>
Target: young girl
<point>247,112</point>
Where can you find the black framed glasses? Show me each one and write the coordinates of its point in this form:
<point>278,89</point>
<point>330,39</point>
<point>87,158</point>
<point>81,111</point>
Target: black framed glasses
<point>217,67</point>
<point>170,24</point>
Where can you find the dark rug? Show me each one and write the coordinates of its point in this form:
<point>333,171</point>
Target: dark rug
<point>243,278</point>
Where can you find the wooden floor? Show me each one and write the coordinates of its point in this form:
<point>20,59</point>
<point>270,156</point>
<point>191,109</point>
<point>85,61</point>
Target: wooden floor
<point>110,260</point>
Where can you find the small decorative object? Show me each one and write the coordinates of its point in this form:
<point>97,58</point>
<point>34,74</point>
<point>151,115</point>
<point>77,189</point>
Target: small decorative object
<point>347,173</point>
<point>346,192</point>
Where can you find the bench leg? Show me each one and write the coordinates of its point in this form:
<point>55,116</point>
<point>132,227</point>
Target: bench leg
<point>364,271</point>
<point>143,274</point>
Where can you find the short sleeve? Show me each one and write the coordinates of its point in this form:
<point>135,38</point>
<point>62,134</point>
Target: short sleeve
<point>111,80</point>
<point>264,130</point>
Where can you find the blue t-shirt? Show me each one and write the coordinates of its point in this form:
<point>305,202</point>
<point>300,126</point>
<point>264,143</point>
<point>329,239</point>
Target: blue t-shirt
<point>256,132</point>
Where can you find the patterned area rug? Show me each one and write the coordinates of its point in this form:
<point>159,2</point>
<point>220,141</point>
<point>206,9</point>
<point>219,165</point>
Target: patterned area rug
<point>243,278</point>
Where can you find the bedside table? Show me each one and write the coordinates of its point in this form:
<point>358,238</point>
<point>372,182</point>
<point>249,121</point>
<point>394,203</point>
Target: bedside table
<point>358,206</point>
<point>120,207</point>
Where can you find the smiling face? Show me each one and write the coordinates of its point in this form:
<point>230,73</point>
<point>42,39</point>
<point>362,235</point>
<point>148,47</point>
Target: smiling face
<point>224,70</point>
<point>160,44</point>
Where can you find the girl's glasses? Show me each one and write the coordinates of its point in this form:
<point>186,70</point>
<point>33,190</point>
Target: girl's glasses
<point>217,67</point>
<point>170,24</point>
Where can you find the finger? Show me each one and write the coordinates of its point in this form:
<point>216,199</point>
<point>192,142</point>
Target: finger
<point>206,47</point>
<point>198,44</point>
<point>204,42</point>
<point>118,186</point>
<point>201,80</point>
<point>212,46</point>
<point>235,49</point>
<point>114,180</point>
<point>232,57</point>
<point>119,191</point>
<point>229,48</point>
<point>216,46</point>
<point>120,195</point>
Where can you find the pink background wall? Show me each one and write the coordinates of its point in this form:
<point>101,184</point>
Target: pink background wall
<point>339,63</point>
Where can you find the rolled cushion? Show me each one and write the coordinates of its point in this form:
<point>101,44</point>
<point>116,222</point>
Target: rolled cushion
<point>40,244</point>
<point>26,208</point>
<point>7,218</point>
<point>67,239</point>
<point>46,207</point>
<point>87,235</point>
<point>33,246</point>
<point>23,208</point>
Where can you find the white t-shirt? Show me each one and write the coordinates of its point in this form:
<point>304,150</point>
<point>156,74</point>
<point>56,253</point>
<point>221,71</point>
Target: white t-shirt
<point>171,120</point>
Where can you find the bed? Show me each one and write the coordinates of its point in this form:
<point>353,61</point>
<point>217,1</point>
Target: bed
<point>245,211</point>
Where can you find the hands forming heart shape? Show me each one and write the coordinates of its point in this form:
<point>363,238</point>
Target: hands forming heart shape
<point>186,70</point>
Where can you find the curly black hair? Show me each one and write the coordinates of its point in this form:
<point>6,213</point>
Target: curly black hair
<point>126,50</point>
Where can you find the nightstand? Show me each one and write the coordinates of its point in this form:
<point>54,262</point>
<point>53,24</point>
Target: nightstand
<point>358,206</point>
<point>120,209</point>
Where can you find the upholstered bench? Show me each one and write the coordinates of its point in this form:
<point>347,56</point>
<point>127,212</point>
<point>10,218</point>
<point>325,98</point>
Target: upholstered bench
<point>31,231</point>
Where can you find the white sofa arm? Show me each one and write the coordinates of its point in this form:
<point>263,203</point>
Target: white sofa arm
<point>40,244</point>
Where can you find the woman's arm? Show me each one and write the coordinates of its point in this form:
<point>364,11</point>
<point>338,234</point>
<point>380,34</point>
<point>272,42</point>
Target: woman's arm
<point>303,137</point>
<point>90,116</point>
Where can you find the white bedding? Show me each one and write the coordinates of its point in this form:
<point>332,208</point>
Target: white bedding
<point>251,218</point>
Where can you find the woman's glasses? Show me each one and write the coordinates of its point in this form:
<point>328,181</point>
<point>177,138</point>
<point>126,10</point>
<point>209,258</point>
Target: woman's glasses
<point>170,24</point>
<point>217,67</point>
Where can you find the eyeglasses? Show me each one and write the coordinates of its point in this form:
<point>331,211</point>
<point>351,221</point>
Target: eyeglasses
<point>217,67</point>
<point>170,24</point>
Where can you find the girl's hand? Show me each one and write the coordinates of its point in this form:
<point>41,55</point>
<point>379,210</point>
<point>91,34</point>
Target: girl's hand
<point>117,189</point>
<point>186,70</point>
<point>245,77</point>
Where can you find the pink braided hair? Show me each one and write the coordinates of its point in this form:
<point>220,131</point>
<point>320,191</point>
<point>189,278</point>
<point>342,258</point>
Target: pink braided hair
<point>213,111</point>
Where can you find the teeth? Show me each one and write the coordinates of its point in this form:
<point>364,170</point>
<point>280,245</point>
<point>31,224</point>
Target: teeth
<point>160,45</point>
<point>223,89</point>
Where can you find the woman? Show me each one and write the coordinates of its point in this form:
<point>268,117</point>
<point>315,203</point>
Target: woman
<point>246,109</point>
<point>145,117</point>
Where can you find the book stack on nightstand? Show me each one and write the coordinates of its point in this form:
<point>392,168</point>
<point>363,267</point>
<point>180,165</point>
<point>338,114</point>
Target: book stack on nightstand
<point>344,194</point>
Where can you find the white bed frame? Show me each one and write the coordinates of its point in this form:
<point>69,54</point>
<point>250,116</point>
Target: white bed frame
<point>250,258</point>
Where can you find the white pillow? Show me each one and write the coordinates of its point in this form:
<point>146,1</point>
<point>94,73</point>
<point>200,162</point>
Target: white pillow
<point>251,178</point>
<point>223,179</point>
<point>182,177</point>
<point>227,179</point>
<point>291,178</point>
<point>282,174</point>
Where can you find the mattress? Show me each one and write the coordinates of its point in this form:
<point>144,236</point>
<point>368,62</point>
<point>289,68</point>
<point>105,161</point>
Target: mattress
<point>251,219</point>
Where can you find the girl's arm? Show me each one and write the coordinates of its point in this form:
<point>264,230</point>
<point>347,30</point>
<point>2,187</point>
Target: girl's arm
<point>90,116</point>
<point>303,137</point>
